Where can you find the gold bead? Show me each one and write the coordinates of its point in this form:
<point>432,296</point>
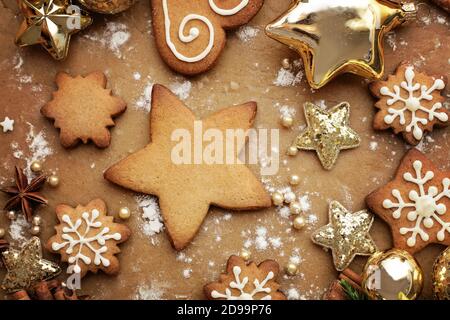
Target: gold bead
<point>35,230</point>
<point>11,215</point>
<point>36,166</point>
<point>2,232</point>
<point>53,180</point>
<point>285,63</point>
<point>289,197</point>
<point>124,213</point>
<point>291,269</point>
<point>245,254</point>
<point>277,198</point>
<point>286,121</point>
<point>295,208</point>
<point>299,222</point>
<point>292,151</point>
<point>37,220</point>
<point>294,179</point>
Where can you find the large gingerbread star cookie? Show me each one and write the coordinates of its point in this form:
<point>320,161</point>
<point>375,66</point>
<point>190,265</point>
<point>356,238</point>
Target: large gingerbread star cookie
<point>186,189</point>
<point>416,204</point>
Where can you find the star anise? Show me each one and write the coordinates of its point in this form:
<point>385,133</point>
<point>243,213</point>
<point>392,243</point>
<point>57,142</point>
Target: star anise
<point>24,195</point>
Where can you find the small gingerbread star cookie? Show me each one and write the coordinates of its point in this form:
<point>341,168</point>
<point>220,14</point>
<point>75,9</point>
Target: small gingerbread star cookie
<point>83,109</point>
<point>87,238</point>
<point>416,204</point>
<point>244,281</point>
<point>409,102</point>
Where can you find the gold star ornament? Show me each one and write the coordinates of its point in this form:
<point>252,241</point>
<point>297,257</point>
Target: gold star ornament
<point>50,23</point>
<point>327,132</point>
<point>337,36</point>
<point>346,234</point>
<point>26,267</point>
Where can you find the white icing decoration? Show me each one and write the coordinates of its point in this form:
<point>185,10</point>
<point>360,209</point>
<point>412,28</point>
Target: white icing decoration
<point>227,12</point>
<point>413,104</point>
<point>425,208</point>
<point>195,32</point>
<point>83,240</point>
<point>7,125</point>
<point>240,285</point>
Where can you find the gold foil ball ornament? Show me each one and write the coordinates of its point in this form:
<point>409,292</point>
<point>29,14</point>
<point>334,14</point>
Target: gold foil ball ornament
<point>124,213</point>
<point>292,151</point>
<point>291,269</point>
<point>388,273</point>
<point>277,198</point>
<point>441,276</point>
<point>334,37</point>
<point>107,6</point>
<point>36,166</point>
<point>11,215</point>
<point>245,254</point>
<point>286,121</point>
<point>53,180</point>
<point>299,222</point>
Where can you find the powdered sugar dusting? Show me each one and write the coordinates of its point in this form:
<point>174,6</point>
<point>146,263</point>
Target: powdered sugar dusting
<point>145,100</point>
<point>17,230</point>
<point>114,36</point>
<point>291,76</point>
<point>154,291</point>
<point>181,89</point>
<point>247,33</point>
<point>151,216</point>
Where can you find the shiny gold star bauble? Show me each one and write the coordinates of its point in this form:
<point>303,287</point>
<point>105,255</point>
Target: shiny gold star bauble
<point>50,23</point>
<point>441,276</point>
<point>346,234</point>
<point>337,36</point>
<point>392,275</point>
<point>26,267</point>
<point>327,132</point>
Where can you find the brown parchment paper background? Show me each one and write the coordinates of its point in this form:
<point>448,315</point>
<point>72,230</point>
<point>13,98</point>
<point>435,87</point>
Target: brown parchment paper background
<point>153,270</point>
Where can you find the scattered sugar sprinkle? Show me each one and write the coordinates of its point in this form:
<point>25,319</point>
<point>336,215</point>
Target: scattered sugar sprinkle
<point>187,273</point>
<point>136,76</point>
<point>144,102</point>
<point>17,230</point>
<point>115,35</point>
<point>151,216</point>
<point>149,292</point>
<point>247,33</point>
<point>181,89</point>
<point>291,76</point>
<point>373,145</point>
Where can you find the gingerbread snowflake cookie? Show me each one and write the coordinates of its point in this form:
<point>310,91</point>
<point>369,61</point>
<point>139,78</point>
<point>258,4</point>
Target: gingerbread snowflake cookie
<point>83,109</point>
<point>409,102</point>
<point>87,238</point>
<point>246,281</point>
<point>416,204</point>
<point>190,34</point>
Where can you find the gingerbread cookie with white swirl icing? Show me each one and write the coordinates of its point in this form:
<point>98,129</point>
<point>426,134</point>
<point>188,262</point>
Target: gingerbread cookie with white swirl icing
<point>246,281</point>
<point>410,102</point>
<point>190,34</point>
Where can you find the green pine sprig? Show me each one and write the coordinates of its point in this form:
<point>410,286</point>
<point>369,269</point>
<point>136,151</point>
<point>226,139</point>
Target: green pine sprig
<point>352,293</point>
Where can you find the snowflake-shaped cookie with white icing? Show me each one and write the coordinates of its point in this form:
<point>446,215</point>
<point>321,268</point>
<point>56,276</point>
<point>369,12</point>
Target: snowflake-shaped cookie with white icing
<point>410,102</point>
<point>416,204</point>
<point>87,238</point>
<point>244,281</point>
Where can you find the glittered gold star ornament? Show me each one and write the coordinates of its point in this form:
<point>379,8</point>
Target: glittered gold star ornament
<point>327,132</point>
<point>26,267</point>
<point>50,23</point>
<point>346,234</point>
<point>337,36</point>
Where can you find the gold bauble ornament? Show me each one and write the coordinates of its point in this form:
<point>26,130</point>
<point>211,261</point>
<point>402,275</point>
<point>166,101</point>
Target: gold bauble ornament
<point>50,23</point>
<point>245,254</point>
<point>277,198</point>
<point>124,213</point>
<point>107,6</point>
<point>441,276</point>
<point>291,269</point>
<point>53,180</point>
<point>337,36</point>
<point>387,273</point>
<point>299,222</point>
<point>36,166</point>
